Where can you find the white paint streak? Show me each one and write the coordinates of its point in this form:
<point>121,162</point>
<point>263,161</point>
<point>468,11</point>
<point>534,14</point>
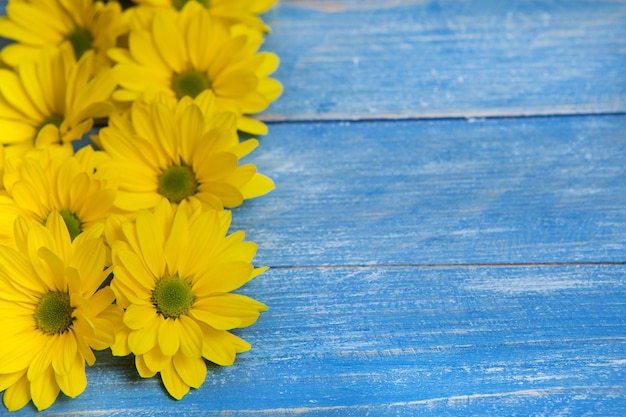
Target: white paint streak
<point>433,402</point>
<point>528,283</point>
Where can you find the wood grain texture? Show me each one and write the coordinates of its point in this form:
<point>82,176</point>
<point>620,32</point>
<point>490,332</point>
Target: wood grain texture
<point>401,341</point>
<point>547,189</point>
<point>360,59</point>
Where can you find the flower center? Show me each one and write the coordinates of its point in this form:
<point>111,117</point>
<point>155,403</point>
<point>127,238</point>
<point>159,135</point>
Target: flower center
<point>172,296</point>
<point>177,183</point>
<point>81,40</point>
<point>190,83</point>
<point>179,4</point>
<point>53,314</point>
<point>72,222</point>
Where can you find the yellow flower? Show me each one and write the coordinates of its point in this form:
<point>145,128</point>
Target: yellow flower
<point>182,151</point>
<point>51,101</point>
<point>52,312</point>
<point>174,271</point>
<point>228,11</point>
<point>35,24</point>
<point>186,53</point>
<point>50,181</point>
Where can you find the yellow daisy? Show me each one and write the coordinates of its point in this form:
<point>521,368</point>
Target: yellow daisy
<point>174,270</point>
<point>181,150</point>
<point>228,11</point>
<point>51,100</point>
<point>35,24</point>
<point>186,53</point>
<point>51,181</point>
<point>52,312</point>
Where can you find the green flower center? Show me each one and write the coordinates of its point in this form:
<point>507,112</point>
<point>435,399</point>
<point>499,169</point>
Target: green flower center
<point>172,296</point>
<point>179,4</point>
<point>81,40</point>
<point>72,222</point>
<point>53,314</point>
<point>177,183</point>
<point>190,83</point>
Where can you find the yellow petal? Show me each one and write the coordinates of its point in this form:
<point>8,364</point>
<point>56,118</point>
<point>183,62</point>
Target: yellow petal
<point>249,125</point>
<point>235,83</point>
<point>169,41</point>
<point>85,351</point>
<point>142,45</point>
<point>190,337</point>
<point>138,277</point>
<point>13,92</point>
<point>175,247</point>
<point>155,361</point>
<point>223,277</point>
<point>173,382</point>
<point>191,370</point>
<point>89,260</point>
<point>221,347</point>
<point>26,15</point>
<point>44,389</point>
<point>43,361</point>
<point>73,383</point>
<point>15,53</point>
<point>66,354</point>
<point>169,339</point>
<point>151,242</point>
<point>137,78</point>
<point>198,41</point>
<point>141,341</point>
<point>142,368</point>
<point>17,395</point>
<point>138,316</point>
<point>6,380</point>
<point>257,186</point>
<point>229,308</point>
<point>214,320</point>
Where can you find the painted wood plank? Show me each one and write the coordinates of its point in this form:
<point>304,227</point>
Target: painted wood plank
<point>360,59</point>
<point>547,189</point>
<point>399,341</point>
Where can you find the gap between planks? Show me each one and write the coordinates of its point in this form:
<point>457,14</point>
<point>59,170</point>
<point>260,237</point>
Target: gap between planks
<point>329,118</point>
<point>452,265</point>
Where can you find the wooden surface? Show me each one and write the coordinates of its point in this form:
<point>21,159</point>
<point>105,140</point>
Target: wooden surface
<point>448,231</point>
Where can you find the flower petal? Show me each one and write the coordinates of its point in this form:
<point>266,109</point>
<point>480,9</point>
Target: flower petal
<point>173,382</point>
<point>191,370</point>
<point>169,340</point>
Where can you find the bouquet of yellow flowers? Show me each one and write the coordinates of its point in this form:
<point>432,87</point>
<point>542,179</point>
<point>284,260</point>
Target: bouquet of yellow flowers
<point>123,243</point>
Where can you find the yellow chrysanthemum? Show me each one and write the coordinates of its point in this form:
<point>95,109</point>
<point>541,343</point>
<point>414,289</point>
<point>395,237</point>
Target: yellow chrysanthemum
<point>182,151</point>
<point>174,271</point>
<point>50,181</point>
<point>52,312</point>
<point>51,101</point>
<point>186,53</point>
<point>228,11</point>
<point>35,24</point>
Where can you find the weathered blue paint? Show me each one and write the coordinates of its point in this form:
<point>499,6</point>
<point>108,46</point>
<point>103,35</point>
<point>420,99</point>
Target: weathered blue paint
<point>356,59</point>
<point>545,189</point>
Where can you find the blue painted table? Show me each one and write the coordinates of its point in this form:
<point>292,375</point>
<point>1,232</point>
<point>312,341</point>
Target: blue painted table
<point>448,231</point>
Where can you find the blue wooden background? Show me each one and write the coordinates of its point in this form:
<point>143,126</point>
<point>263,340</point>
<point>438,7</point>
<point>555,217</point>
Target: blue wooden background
<point>448,231</point>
